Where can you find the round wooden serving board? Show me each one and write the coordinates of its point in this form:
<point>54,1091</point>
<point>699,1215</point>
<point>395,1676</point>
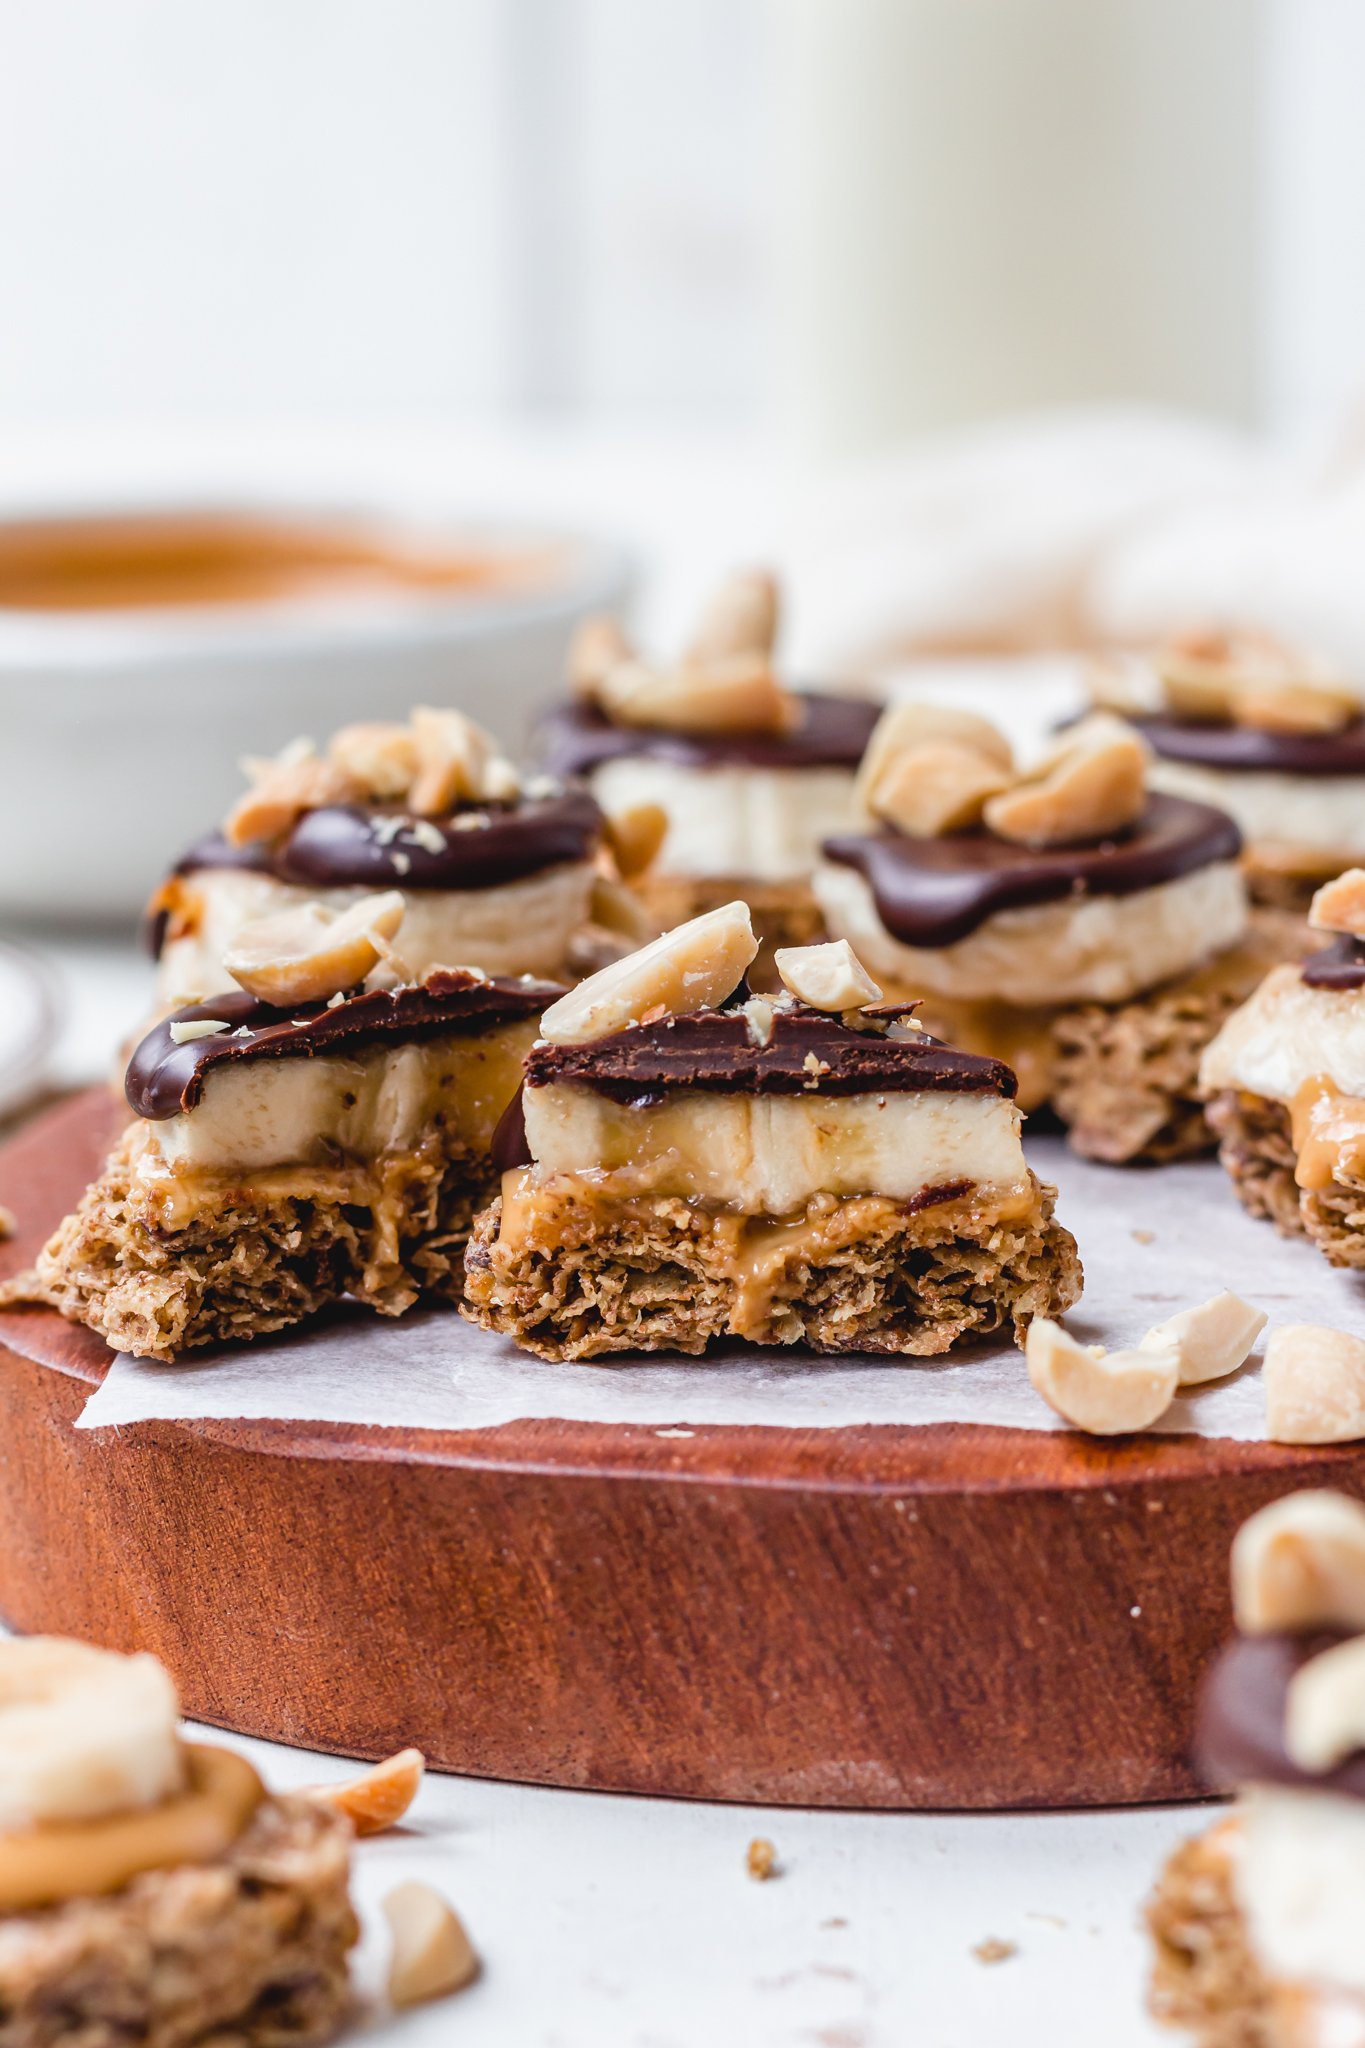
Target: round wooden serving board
<point>879,1617</point>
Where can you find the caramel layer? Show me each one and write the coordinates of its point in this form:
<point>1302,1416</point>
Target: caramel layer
<point>75,1859</point>
<point>1328,1129</point>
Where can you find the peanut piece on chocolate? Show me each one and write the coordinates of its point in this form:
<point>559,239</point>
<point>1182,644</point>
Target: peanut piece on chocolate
<point>1094,783</point>
<point>453,759</point>
<point>829,977</point>
<point>935,788</point>
<point>1314,1385</point>
<point>913,724</point>
<point>1339,905</point>
<point>283,791</point>
<point>740,619</point>
<point>1107,1395</point>
<point>1300,1564</point>
<point>1197,672</point>
<point>1210,1340</point>
<point>635,836</point>
<point>432,1954</point>
<point>381,1796</point>
<point>618,909</point>
<point>1124,684</point>
<point>733,693</point>
<point>690,968</point>
<point>1295,706</point>
<point>303,955</point>
<point>1324,1709</point>
<point>598,646</point>
<point>382,757</point>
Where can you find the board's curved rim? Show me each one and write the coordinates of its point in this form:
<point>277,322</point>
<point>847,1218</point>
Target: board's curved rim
<point>956,1456</point>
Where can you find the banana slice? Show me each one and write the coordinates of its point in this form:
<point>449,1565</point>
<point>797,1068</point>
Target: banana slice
<point>83,1732</point>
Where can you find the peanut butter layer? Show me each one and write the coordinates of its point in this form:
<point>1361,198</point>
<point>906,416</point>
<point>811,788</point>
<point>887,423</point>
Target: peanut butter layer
<point>806,1053</point>
<point>165,1079</point>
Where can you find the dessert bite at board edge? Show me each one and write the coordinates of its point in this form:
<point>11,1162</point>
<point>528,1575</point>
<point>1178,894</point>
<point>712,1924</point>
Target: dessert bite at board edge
<point>151,1889</point>
<point>745,775</point>
<point>300,1138</point>
<point>1257,1922</point>
<point>1285,1081</point>
<point>1266,732</point>
<point>689,1161</point>
<point>511,877</point>
<point>1089,931</point>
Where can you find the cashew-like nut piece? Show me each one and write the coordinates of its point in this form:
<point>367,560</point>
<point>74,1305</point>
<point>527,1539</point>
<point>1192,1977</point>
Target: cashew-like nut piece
<point>635,836</point>
<point>915,724</point>
<point>732,693</point>
<point>935,788</point>
<point>1314,1385</point>
<point>382,757</point>
<point>432,1954</point>
<point>1300,1564</point>
<point>284,791</point>
<point>1210,1340</point>
<point>1096,782</point>
<point>379,1797</point>
<point>1339,905</point>
<point>1324,1709</point>
<point>740,619</point>
<point>598,646</point>
<point>302,955</point>
<point>1105,1393</point>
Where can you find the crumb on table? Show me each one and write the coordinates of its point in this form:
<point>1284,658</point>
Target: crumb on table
<point>761,1859</point>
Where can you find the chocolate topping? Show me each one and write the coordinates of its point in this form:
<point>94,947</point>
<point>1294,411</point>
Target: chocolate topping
<point>573,739</point>
<point>1247,748</point>
<point>1239,1731</point>
<point>1340,965</point>
<point>372,846</point>
<point>165,1078</point>
<point>808,1053</point>
<point>932,892</point>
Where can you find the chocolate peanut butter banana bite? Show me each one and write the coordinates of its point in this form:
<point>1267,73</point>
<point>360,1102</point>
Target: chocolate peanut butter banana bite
<point>689,1161</point>
<point>1089,931</point>
<point>1259,1924</point>
<point>745,776</point>
<point>1285,1082</point>
<point>495,875</point>
<point>1271,735</point>
<point>152,1890</point>
<point>296,1140</point>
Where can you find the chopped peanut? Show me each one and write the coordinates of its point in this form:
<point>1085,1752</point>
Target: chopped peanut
<point>689,968</point>
<point>1339,905</point>
<point>912,724</point>
<point>734,693</point>
<point>635,837</point>
<point>1094,783</point>
<point>285,790</point>
<point>381,1796</point>
<point>302,955</point>
<point>935,788</point>
<point>598,646</point>
<point>382,757</point>
<point>1324,1709</point>
<point>740,619</point>
<point>829,977</point>
<point>1210,1340</point>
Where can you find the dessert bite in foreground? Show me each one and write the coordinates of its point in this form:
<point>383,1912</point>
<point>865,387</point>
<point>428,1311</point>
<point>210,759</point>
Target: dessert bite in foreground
<point>1092,934</point>
<point>1271,735</point>
<point>696,1162</point>
<point>493,875</point>
<point>296,1140</point>
<point>152,1890</point>
<point>747,776</point>
<point>1259,1924</point>
<point>1285,1081</point>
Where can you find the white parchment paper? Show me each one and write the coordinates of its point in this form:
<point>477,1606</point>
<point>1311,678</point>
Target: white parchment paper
<point>1152,1241</point>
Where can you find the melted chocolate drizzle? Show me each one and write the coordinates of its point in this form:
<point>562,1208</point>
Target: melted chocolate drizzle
<point>165,1078</point>
<point>372,846</point>
<point>932,892</point>
<point>1246,749</point>
<point>1340,965</point>
<point>1239,1731</point>
<point>809,1053</point>
<point>573,739</point>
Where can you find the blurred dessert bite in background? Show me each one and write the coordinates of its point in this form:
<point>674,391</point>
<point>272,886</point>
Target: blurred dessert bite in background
<point>1270,733</point>
<point>749,773</point>
<point>1087,929</point>
<point>494,873</point>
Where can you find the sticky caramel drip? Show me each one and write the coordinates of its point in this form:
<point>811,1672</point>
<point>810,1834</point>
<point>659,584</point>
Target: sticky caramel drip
<point>1328,1129</point>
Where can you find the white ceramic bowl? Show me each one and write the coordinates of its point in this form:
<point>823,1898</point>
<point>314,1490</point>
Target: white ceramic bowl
<point>121,726</point>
